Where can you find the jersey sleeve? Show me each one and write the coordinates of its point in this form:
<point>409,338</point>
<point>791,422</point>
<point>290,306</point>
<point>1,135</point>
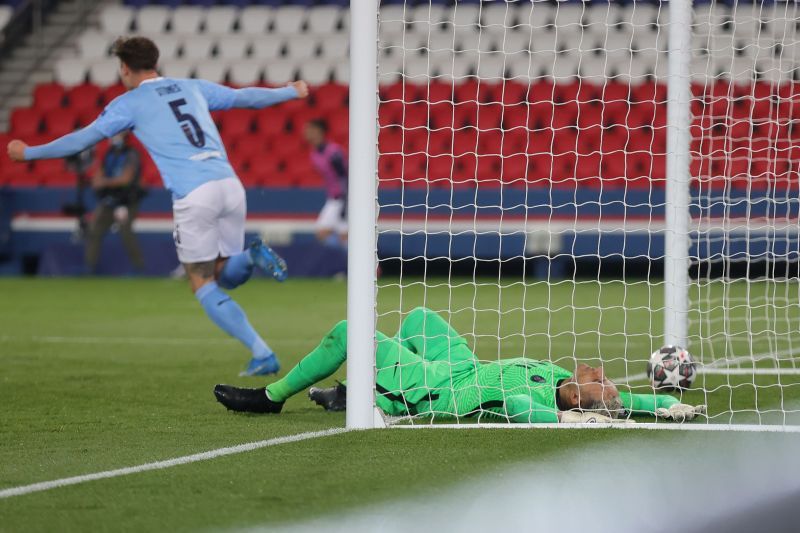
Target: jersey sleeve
<point>522,409</point>
<point>646,404</point>
<point>218,97</point>
<point>116,117</point>
<point>68,145</point>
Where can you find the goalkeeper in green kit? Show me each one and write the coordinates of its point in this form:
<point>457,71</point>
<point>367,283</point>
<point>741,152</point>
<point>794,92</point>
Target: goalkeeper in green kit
<point>427,369</point>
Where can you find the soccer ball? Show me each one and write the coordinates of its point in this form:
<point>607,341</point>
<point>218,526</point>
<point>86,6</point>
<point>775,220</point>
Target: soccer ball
<point>671,368</point>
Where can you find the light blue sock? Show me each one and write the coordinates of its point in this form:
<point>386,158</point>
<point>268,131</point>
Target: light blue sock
<point>238,269</point>
<point>227,314</point>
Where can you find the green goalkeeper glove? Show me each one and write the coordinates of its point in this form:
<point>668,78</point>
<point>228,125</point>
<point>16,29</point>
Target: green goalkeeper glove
<point>681,412</point>
<point>580,417</point>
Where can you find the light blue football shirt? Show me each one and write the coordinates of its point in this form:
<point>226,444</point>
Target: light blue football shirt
<point>172,119</point>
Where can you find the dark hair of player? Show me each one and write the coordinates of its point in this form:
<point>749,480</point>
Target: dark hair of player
<point>139,53</point>
<point>319,123</point>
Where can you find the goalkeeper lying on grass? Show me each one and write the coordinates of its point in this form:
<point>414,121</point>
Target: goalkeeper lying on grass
<point>428,369</point>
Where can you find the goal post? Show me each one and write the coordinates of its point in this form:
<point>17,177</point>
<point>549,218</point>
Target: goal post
<point>362,217</point>
<point>676,216</point>
<point>578,182</point>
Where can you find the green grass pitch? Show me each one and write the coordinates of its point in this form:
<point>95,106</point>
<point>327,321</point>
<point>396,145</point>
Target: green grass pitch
<point>102,374</point>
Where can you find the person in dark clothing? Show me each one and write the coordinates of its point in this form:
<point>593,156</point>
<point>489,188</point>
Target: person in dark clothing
<point>116,185</point>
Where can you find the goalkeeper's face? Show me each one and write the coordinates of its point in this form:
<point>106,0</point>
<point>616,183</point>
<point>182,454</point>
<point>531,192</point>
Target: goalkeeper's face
<point>596,392</point>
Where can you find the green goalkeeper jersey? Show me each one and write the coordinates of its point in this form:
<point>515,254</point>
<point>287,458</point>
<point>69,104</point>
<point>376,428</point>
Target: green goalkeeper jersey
<point>428,369</point>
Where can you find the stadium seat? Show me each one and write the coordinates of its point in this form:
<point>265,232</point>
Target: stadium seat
<point>70,71</point>
<point>169,45</point>
<point>59,122</point>
<point>255,20</point>
<point>198,47</point>
<point>48,96</point>
<point>323,19</point>
<point>302,47</point>
<point>246,72</point>
<point>187,20</point>
<point>104,72</point>
<point>281,71</point>
<point>233,47</point>
<point>93,45</point>
<point>221,19</point>
<point>178,68</point>
<point>267,48</point>
<point>152,19</point>
<point>288,20</point>
<point>116,20</point>
<point>25,122</point>
<point>215,71</point>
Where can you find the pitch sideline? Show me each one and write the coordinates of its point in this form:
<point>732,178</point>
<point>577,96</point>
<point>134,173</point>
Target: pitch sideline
<point>168,463</point>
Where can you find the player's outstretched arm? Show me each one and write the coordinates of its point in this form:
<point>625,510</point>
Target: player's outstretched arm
<point>660,405</point>
<point>65,146</point>
<point>220,97</point>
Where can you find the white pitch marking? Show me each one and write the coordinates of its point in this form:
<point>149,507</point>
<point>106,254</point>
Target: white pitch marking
<point>169,463</point>
<point>747,428</point>
<point>155,341</point>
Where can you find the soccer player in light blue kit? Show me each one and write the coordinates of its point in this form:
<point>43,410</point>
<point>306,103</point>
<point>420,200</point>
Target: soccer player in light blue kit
<point>171,117</point>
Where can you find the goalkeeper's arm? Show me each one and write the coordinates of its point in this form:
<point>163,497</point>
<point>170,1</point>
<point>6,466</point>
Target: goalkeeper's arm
<point>660,405</point>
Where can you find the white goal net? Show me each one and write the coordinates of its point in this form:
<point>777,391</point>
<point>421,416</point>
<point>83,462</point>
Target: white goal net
<point>524,153</point>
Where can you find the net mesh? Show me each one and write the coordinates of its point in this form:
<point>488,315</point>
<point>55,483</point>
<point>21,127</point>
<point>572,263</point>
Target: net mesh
<point>522,166</point>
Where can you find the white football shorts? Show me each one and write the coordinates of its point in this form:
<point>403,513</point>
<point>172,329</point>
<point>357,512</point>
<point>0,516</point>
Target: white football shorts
<point>332,217</point>
<point>209,221</point>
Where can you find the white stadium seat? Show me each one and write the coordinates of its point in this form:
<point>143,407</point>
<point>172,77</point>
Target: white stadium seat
<point>212,71</point>
<point>198,46</point>
<point>267,48</point>
<point>152,19</point>
<point>301,47</point>
<point>186,20</point>
<point>104,72</point>
<point>281,71</point>
<point>568,16</point>
<point>221,19</point>
<point>537,14</point>
<point>70,71</point>
<point>116,20</point>
<point>168,45</point>
<point>324,19</point>
<point>246,72</point>
<point>335,46</point>
<point>233,46</point>
<point>491,66</point>
<point>178,68</point>
<point>5,15</point>
<point>255,20</point>
<point>499,14</point>
<point>316,72</point>
<point>390,69</point>
<point>415,69</point>
<point>289,20</point>
<point>93,45</point>
<point>392,20</point>
<point>341,72</point>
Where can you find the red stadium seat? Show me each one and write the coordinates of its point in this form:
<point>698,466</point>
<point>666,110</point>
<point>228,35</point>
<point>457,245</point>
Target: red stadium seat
<point>265,168</point>
<point>48,96</point>
<point>438,92</point>
<point>514,170</point>
<point>512,93</point>
<point>330,96</point>
<point>390,170</point>
<point>441,115</point>
<point>53,172</point>
<point>25,122</point>
<point>60,122</point>
<point>440,169</point>
<point>18,175</point>
<point>390,140</point>
<point>440,142</point>
<point>489,169</point>
<point>112,91</point>
<point>85,96</point>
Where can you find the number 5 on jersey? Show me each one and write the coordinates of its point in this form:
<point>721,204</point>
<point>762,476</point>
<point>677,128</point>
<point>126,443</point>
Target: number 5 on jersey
<point>191,128</point>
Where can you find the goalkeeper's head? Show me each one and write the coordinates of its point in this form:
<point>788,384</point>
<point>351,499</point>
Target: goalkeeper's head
<point>590,390</point>
<point>138,58</point>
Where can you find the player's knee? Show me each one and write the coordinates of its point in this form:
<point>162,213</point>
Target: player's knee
<point>336,339</point>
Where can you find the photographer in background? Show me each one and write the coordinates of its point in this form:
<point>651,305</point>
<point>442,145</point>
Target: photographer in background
<point>116,186</point>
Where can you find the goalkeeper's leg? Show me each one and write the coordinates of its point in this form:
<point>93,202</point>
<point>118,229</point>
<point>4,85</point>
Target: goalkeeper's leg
<point>426,333</point>
<point>320,363</point>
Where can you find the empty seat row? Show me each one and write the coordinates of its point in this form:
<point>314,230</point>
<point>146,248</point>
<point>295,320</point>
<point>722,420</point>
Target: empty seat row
<point>72,72</point>
<point>93,45</point>
<point>255,20</point>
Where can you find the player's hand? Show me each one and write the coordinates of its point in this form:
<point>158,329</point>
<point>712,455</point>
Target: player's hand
<point>16,150</point>
<point>580,417</point>
<point>301,87</point>
<point>681,412</point>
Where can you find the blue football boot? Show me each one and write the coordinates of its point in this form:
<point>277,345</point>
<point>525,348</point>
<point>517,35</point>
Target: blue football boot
<point>267,260</point>
<point>263,366</point>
